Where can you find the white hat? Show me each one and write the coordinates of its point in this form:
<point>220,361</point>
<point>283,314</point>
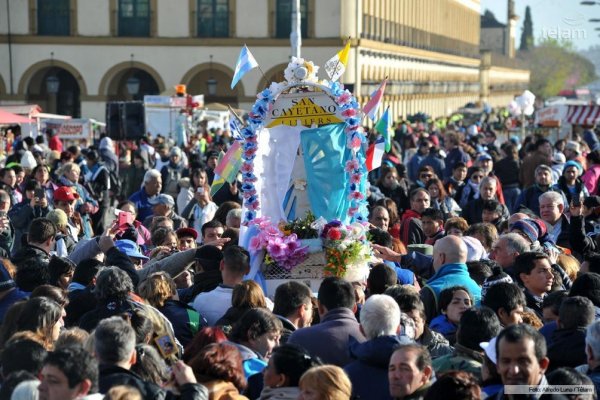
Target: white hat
<point>490,349</point>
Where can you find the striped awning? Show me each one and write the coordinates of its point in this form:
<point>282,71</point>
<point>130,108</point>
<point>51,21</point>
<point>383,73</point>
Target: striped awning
<point>583,115</point>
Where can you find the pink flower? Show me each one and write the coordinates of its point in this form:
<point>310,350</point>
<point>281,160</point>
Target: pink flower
<point>352,211</point>
<point>355,143</point>
<point>356,196</point>
<point>355,178</point>
<point>256,243</point>
<point>344,98</point>
<point>277,248</point>
<point>253,206</point>
<point>351,112</point>
<point>272,231</point>
<point>351,165</point>
<point>250,152</point>
<point>247,167</point>
<point>249,193</point>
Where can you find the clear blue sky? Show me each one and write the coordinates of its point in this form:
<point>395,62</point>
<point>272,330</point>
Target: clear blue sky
<point>553,18</point>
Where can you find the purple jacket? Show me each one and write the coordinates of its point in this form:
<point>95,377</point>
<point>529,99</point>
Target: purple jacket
<point>329,339</point>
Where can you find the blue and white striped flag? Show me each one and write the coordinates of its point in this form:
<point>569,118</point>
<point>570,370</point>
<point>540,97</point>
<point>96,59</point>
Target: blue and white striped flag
<point>244,64</point>
<point>235,127</point>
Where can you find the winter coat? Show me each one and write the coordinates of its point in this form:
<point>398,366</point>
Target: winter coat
<point>411,229</point>
<point>453,157</point>
<point>280,393</point>
<point>463,359</point>
<point>567,348</point>
<point>329,339</point>
<point>185,320</point>
<point>437,344</point>
<point>369,372</point>
<point>31,257</point>
<point>20,217</point>
<point>442,325</point>
<point>473,210</point>
<point>528,166</point>
<point>530,198</point>
<point>252,362</point>
<point>455,274</point>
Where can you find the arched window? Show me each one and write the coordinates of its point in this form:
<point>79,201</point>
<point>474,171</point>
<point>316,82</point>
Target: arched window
<point>53,18</point>
<point>284,18</point>
<point>213,18</point>
<point>134,18</point>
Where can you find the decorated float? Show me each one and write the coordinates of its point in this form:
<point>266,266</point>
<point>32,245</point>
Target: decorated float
<point>304,181</point>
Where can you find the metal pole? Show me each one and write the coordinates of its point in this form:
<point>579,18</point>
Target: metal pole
<point>10,60</point>
<point>296,35</point>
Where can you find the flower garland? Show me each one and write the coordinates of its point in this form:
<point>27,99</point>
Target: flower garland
<point>344,246</point>
<point>299,71</point>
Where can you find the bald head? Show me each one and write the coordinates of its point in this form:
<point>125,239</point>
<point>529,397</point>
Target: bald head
<point>448,250</point>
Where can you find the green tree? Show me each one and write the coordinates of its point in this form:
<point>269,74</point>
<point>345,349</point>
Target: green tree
<point>527,34</point>
<point>555,66</point>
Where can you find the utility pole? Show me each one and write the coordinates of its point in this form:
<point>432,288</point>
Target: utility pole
<point>296,34</point>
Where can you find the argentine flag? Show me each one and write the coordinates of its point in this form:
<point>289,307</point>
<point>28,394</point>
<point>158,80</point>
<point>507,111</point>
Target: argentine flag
<point>244,64</point>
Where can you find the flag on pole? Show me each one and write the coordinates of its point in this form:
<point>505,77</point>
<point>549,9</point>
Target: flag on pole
<point>245,63</point>
<point>383,126</point>
<point>375,154</point>
<point>228,167</point>
<point>336,65</point>
<point>235,127</point>
<point>372,105</point>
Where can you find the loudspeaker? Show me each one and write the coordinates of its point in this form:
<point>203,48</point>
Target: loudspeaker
<point>113,121</point>
<point>125,120</point>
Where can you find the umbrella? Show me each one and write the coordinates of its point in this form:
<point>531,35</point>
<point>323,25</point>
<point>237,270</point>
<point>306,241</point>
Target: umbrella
<point>10,118</point>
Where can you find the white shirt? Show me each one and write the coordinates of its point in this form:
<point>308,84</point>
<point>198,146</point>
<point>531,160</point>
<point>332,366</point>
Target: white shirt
<point>213,305</point>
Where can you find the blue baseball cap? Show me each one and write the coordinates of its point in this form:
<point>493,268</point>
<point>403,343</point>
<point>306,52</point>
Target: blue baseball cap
<point>129,248</point>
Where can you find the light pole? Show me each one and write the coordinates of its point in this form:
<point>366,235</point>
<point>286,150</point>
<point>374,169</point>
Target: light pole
<point>133,82</point>
<point>296,34</point>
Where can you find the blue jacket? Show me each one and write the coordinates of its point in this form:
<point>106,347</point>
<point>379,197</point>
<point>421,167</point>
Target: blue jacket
<point>413,166</point>
<point>453,157</point>
<point>140,199</point>
<point>455,274</point>
<point>185,320</point>
<point>369,372</point>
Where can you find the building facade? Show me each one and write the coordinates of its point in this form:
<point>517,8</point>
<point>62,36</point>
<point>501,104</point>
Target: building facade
<point>73,56</point>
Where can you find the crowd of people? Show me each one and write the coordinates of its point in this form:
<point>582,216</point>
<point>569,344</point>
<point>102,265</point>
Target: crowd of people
<point>121,276</point>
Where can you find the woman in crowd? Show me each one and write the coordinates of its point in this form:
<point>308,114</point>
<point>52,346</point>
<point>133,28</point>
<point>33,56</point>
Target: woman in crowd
<point>43,317</point>
<point>392,187</point>
<point>86,205</point>
<point>200,207</point>
<point>159,291</point>
<point>255,335</point>
<point>246,296</point>
<point>471,189</point>
<point>325,382</point>
<point>507,171</point>
<point>218,366</point>
<point>42,176</point>
<point>570,182</point>
<point>283,372</point>
<point>440,199</point>
<point>454,302</point>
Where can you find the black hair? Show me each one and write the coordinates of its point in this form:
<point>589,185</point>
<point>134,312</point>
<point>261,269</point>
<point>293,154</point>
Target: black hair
<point>289,296</point>
<point>505,295</point>
<point>77,364</point>
<point>211,224</point>
<point>525,262</point>
<point>447,294</point>
<point>480,270</point>
<point>380,237</point>
<point>40,230</point>
<point>423,356</point>
<point>593,260</point>
<point>86,271</point>
<point>540,142</point>
<point>568,376</point>
<point>22,355</point>
<point>576,312</point>
<point>113,284</point>
<point>335,293</point>
<point>454,385</point>
<point>407,297</point>
<point>59,266</point>
<point>433,213</point>
<point>587,285</point>
<point>477,325</point>
<point>254,323</point>
<point>292,361</point>
<point>381,277</point>
<point>459,164</point>
<point>554,300</point>
<point>493,206</point>
<point>236,259</point>
<point>141,324</point>
<point>414,192</point>
<point>31,273</point>
<point>12,381</point>
<point>516,333</point>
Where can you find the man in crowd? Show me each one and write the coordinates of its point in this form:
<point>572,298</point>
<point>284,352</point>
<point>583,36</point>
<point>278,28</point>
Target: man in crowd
<point>410,372</point>
<point>380,218</point>
<point>293,307</point>
<point>380,322</point>
<point>542,155</point>
<point>69,373</point>
<point>432,221</point>
<point>411,229</point>
<point>141,199</point>
<point>186,238</point>
<point>212,232</point>
<point>507,301</point>
<point>506,249</point>
<point>530,197</point>
<point>454,153</point>
<point>329,339</point>
<point>552,208</point>
<point>213,305</point>
<point>163,206</point>
<point>449,263</point>
<point>535,272</point>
